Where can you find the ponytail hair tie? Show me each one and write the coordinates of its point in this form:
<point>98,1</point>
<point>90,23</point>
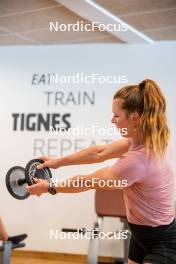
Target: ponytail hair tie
<point>142,85</point>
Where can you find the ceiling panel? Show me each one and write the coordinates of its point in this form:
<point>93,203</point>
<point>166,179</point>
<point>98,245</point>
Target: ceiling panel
<point>72,37</point>
<point>151,21</point>
<point>17,6</point>
<point>100,39</point>
<point>35,26</point>
<point>3,32</point>
<point>9,39</point>
<point>34,20</point>
<point>27,22</point>
<point>166,34</point>
<point>127,7</point>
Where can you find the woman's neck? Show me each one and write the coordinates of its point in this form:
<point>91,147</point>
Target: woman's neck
<point>136,139</point>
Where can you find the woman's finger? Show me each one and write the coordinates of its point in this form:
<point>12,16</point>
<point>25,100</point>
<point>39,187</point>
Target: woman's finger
<point>42,165</point>
<point>44,158</point>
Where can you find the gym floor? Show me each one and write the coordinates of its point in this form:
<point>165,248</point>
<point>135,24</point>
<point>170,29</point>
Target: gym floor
<point>21,257</point>
<point>18,260</point>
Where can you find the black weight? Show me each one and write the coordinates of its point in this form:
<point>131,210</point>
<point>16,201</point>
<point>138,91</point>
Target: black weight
<point>32,172</point>
<point>16,183</point>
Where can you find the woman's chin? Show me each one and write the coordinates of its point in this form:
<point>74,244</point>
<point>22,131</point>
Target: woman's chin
<point>123,135</point>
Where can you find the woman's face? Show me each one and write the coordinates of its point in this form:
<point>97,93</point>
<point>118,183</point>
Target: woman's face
<point>121,120</point>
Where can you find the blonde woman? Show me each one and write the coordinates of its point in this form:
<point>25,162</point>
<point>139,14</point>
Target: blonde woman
<point>145,162</point>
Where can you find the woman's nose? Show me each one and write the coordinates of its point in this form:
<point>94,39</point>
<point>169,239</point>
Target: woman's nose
<point>113,120</point>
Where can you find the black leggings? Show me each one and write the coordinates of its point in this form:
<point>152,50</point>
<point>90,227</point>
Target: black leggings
<point>156,245</point>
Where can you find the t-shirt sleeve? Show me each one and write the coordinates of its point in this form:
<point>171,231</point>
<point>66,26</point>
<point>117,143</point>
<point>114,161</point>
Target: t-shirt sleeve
<point>131,167</point>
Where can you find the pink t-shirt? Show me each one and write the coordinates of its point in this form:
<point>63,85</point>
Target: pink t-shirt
<point>149,194</point>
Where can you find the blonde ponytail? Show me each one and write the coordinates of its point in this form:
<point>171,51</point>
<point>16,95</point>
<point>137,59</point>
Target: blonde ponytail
<point>148,100</point>
<point>153,123</point>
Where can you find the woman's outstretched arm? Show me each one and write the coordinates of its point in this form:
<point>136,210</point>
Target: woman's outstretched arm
<point>94,154</point>
<point>105,179</point>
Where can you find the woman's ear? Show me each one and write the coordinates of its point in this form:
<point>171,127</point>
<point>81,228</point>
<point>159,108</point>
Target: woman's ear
<point>135,116</point>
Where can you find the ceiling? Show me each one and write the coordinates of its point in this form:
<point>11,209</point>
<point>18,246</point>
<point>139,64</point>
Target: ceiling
<point>27,22</point>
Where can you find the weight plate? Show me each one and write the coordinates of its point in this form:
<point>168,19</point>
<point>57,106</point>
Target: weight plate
<point>16,183</point>
<point>32,172</point>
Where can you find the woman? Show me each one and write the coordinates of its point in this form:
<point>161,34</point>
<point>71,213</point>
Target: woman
<point>145,162</point>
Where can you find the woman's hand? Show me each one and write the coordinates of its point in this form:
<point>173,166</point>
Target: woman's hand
<point>40,186</point>
<point>48,162</point>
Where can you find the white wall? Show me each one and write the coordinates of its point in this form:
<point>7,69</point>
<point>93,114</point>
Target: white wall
<point>37,216</point>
